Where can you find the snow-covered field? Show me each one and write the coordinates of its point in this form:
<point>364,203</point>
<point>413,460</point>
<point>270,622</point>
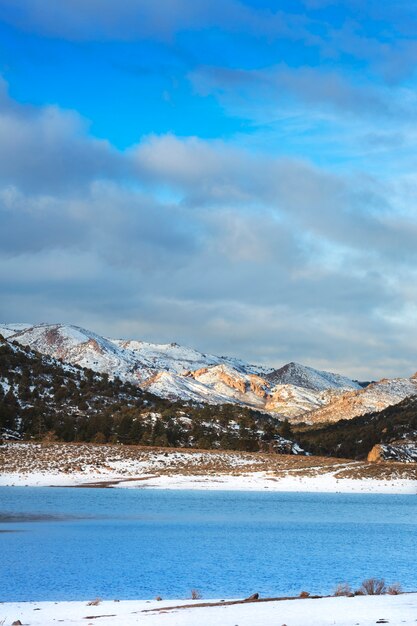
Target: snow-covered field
<point>135,467</point>
<point>340,611</point>
<point>254,481</point>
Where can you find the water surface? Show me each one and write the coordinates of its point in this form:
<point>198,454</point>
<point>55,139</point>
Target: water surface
<point>137,543</point>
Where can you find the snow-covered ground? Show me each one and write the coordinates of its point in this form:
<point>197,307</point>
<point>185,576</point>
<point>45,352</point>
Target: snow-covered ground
<point>263,481</point>
<point>57,464</point>
<point>340,611</point>
<point>253,481</point>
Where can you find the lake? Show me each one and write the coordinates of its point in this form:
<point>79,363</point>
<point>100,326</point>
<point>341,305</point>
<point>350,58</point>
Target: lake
<point>72,544</point>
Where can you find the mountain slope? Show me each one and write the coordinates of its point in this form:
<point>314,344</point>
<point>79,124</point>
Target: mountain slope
<point>177,359</point>
<point>375,397</point>
<point>178,373</point>
<point>76,346</point>
<point>43,398</point>
<point>356,437</point>
<point>309,378</point>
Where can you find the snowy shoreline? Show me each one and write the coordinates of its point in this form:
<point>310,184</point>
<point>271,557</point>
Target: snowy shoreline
<point>336,611</point>
<point>90,465</point>
<point>253,481</point>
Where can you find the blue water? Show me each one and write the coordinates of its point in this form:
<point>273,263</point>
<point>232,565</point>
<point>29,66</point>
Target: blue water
<point>115,543</point>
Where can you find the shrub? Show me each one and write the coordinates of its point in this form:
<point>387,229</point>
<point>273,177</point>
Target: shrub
<point>95,602</point>
<point>195,594</point>
<point>373,587</point>
<point>394,589</point>
<point>343,589</point>
<point>304,594</point>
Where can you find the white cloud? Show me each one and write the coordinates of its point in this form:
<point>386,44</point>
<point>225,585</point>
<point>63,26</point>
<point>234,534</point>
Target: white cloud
<point>268,258</point>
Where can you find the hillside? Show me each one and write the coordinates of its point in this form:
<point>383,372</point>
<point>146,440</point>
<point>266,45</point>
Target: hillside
<point>89,464</point>
<point>309,378</point>
<point>355,438</point>
<point>43,398</point>
<point>375,397</point>
<point>178,373</point>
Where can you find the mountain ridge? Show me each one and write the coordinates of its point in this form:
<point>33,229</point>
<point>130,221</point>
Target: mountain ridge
<point>294,391</point>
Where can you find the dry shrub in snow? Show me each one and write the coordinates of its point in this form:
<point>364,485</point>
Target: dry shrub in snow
<point>95,602</point>
<point>305,594</point>
<point>343,589</point>
<point>195,594</point>
<point>373,587</point>
<point>394,589</point>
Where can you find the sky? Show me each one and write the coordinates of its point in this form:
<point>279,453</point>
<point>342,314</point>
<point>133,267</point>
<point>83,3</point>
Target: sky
<point>236,176</point>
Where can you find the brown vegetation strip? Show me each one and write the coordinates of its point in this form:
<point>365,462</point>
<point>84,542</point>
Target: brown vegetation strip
<point>202,605</point>
<point>108,484</point>
<point>98,616</point>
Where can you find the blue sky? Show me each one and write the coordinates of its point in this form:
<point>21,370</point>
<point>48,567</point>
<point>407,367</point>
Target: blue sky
<point>236,176</point>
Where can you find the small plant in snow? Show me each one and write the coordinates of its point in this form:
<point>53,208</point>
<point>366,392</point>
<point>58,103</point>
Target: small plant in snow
<point>95,602</point>
<point>305,594</point>
<point>373,587</point>
<point>394,589</point>
<point>195,594</point>
<point>343,589</point>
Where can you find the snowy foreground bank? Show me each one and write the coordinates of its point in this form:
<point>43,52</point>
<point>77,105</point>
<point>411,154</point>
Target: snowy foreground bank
<point>254,481</point>
<point>360,610</point>
<point>72,465</point>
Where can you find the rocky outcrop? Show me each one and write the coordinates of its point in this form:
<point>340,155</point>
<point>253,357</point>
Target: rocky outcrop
<point>197,373</point>
<point>376,454</point>
<point>232,381</point>
<point>400,451</point>
<point>294,402</point>
<point>259,386</point>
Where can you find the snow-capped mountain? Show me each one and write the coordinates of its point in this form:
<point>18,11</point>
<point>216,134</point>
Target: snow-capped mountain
<point>309,378</point>
<point>131,359</point>
<point>176,372</point>
<point>177,359</point>
<point>75,345</point>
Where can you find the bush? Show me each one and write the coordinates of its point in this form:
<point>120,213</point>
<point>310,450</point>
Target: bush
<point>343,589</point>
<point>305,594</point>
<point>195,594</point>
<point>394,589</point>
<point>373,587</point>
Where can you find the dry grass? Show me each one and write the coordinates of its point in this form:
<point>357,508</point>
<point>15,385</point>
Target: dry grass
<point>137,461</point>
<point>343,589</point>
<point>395,589</point>
<point>373,587</point>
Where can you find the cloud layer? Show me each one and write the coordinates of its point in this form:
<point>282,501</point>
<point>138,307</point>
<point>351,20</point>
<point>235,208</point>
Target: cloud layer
<point>291,237</point>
